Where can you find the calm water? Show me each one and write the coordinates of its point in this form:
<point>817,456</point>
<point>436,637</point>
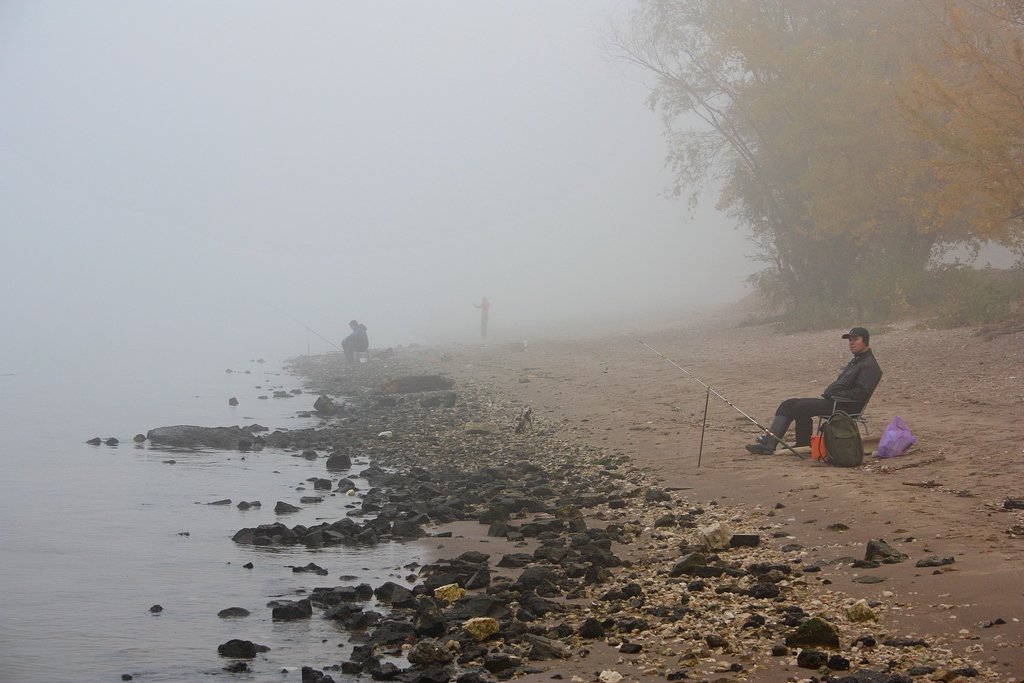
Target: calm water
<point>92,536</point>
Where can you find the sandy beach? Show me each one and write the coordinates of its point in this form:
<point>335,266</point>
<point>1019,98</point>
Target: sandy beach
<point>963,397</point>
<point>614,448</point>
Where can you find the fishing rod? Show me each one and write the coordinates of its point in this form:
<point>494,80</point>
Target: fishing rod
<point>729,403</point>
<point>308,330</point>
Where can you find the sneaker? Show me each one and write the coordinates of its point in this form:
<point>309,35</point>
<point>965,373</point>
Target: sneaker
<point>759,448</point>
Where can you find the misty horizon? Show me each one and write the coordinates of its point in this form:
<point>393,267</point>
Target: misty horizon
<point>190,176</point>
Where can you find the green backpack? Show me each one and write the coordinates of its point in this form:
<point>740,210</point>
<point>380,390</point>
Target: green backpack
<point>842,441</point>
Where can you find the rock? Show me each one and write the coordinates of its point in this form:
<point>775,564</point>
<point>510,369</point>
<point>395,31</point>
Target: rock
<point>904,642</point>
<point>631,648</point>
<point>591,628</point>
<point>139,438</point>
<point>545,648</point>
<point>233,613</point>
<point>111,441</point>
<point>859,612</point>
<point>240,649</point>
<point>811,659</point>
<point>496,662</point>
<point>285,508</point>
<point>292,610</point>
<point>688,564</point>
<point>715,536</point>
<point>339,461</point>
<point>1013,504</point>
<point>880,551</point>
<point>868,579</point>
<point>814,632</point>
<point>232,401</point>
<point>325,406</point>
<point>190,436</point>
<point>480,628</point>
<point>311,500</point>
<point>450,592</point>
<point>934,561</point>
<point>156,609</point>
<point>609,676</point>
<point>744,541</point>
<point>310,568</point>
<point>429,651</point>
<point>95,441</point>
<point>223,501</point>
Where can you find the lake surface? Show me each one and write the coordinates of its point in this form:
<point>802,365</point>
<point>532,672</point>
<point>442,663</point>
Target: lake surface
<point>92,536</point>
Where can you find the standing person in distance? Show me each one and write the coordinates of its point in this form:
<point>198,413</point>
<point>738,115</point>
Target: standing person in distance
<point>485,307</point>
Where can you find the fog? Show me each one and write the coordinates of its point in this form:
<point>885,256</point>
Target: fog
<point>184,178</point>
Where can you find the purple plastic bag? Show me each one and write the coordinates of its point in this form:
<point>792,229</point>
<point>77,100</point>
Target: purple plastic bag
<point>896,439</point>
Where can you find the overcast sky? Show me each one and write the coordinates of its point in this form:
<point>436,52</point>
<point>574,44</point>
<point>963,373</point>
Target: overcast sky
<point>186,175</point>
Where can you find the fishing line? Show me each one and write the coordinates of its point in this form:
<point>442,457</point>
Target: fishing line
<point>309,330</point>
<point>729,403</point>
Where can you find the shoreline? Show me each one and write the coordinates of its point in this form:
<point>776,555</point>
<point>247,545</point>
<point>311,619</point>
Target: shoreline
<point>769,497</point>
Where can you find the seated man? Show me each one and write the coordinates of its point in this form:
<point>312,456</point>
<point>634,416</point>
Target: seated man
<point>357,341</point>
<point>853,388</point>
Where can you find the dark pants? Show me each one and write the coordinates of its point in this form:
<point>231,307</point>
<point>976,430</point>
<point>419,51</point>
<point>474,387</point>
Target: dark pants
<point>801,410</point>
<point>350,347</point>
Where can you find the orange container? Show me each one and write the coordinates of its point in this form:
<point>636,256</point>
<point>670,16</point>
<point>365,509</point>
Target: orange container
<point>818,447</point>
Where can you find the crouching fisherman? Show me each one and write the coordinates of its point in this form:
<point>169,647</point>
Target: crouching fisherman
<point>356,342</point>
<point>850,393</point>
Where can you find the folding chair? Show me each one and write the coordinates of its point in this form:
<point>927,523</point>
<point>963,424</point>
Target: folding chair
<point>858,417</point>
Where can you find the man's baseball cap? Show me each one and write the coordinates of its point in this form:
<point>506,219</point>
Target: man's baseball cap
<point>858,332</point>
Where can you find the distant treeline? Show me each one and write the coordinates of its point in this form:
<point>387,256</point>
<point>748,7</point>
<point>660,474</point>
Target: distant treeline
<point>854,140</point>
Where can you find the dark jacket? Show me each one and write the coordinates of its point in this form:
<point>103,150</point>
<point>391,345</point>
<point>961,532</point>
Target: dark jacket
<point>856,382</point>
<point>357,341</point>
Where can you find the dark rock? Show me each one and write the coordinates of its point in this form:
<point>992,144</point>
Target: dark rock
<point>156,609</point>
<point>881,551</point>
<point>904,642</point>
<point>292,610</point>
<point>232,401</point>
<point>542,648</point>
<point>311,500</point>
<point>384,672</point>
<point>744,541</point>
<point>233,613</point>
<point>838,663</point>
<point>339,461</point>
<point>714,640</point>
<point>224,501</point>
<point>240,649</point>
<point>139,438</point>
<point>284,508</point>
<point>764,591</point>
<point>237,667</point>
<point>310,568</point>
<point>496,662</point>
<point>591,628</point>
<point>325,406</point>
<point>811,659</point>
<point>934,561</point>
<point>631,648</point>
<point>1013,504</point>
<point>515,560</point>
<point>657,496</point>
<point>429,651</point>
<point>190,436</point>
<point>111,441</point>
<point>779,650</point>
<point>95,441</point>
<point>814,632</point>
<point>398,596</point>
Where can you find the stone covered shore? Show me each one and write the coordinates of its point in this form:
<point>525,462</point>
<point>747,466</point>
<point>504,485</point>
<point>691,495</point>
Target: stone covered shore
<point>555,559</point>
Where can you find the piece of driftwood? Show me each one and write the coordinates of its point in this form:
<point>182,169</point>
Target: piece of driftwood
<point>416,383</point>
